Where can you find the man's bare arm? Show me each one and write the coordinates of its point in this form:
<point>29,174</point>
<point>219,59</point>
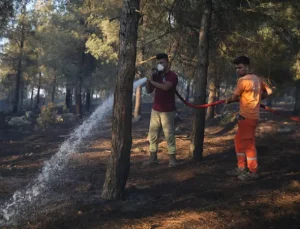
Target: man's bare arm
<point>266,91</point>
<point>232,99</point>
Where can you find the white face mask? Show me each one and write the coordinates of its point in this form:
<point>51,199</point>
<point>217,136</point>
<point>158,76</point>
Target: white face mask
<point>160,67</point>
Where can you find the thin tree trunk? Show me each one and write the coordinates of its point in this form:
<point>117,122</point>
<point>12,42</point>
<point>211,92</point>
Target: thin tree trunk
<point>88,100</point>
<point>187,96</point>
<point>69,93</point>
<point>217,110</point>
<point>182,86</point>
<point>78,98</point>
<point>192,89</point>
<point>38,92</point>
<point>92,95</point>
<point>138,92</point>
<point>53,88</point>
<point>297,99</point>
<point>119,163</point>
<point>69,99</point>
<point>20,60</point>
<point>31,97</point>
<point>138,101</point>
<point>196,148</point>
<point>210,112</point>
<point>22,91</point>
<point>83,98</point>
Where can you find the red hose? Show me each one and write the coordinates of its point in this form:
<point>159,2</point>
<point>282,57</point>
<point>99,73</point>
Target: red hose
<point>294,118</point>
<point>198,106</point>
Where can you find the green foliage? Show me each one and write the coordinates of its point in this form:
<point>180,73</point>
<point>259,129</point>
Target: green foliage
<point>77,41</point>
<point>47,116</point>
<point>6,11</point>
<point>296,67</point>
<point>105,47</point>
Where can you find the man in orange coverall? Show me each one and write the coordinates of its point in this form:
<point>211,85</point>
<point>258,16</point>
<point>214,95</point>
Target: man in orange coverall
<point>249,92</point>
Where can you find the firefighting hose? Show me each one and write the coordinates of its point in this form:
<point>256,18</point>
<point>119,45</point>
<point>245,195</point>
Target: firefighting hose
<point>293,118</point>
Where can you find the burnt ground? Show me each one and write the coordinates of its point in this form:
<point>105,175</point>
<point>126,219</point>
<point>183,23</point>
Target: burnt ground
<point>192,195</point>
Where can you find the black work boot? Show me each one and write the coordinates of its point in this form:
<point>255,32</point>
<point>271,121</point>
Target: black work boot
<point>152,160</point>
<point>172,161</point>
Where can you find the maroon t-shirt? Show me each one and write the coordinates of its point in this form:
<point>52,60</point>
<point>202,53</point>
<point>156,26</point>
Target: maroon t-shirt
<point>164,101</point>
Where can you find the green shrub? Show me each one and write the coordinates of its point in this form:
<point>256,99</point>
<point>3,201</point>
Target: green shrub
<point>47,116</point>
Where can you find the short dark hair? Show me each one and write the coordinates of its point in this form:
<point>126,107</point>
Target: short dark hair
<point>241,60</point>
<point>162,56</point>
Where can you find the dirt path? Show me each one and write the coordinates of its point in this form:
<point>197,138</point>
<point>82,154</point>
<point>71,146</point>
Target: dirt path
<point>193,195</point>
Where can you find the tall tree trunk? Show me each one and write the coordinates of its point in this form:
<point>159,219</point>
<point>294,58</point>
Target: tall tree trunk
<point>187,95</point>
<point>69,99</point>
<point>192,93</point>
<point>78,98</point>
<point>83,98</point>
<point>20,60</point>
<point>217,109</point>
<point>53,88</point>
<point>196,148</point>
<point>69,90</point>
<point>297,99</point>
<point>119,163</point>
<point>210,112</point>
<point>38,92</point>
<point>138,92</point>
<point>88,100</point>
<point>22,92</point>
<point>138,102</point>
<point>31,97</point>
<point>182,86</point>
<point>92,95</point>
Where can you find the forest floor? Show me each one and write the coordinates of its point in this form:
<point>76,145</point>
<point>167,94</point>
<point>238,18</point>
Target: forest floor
<point>192,195</point>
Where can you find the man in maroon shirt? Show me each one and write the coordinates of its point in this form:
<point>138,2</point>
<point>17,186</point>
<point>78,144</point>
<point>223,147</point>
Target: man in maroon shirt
<point>163,82</point>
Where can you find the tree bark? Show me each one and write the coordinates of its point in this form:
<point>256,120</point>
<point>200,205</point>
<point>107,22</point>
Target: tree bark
<point>37,103</point>
<point>78,98</point>
<point>69,99</point>
<point>53,88</point>
<point>187,96</point>
<point>31,97</point>
<point>88,100</point>
<point>22,91</point>
<point>138,92</point>
<point>69,90</point>
<point>20,60</point>
<point>218,108</point>
<point>297,99</point>
<point>182,86</point>
<point>83,99</point>
<point>119,163</point>
<point>210,112</point>
<point>138,102</point>
<point>196,148</point>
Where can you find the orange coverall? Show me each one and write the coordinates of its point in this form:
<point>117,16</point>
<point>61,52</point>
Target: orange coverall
<point>250,88</point>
